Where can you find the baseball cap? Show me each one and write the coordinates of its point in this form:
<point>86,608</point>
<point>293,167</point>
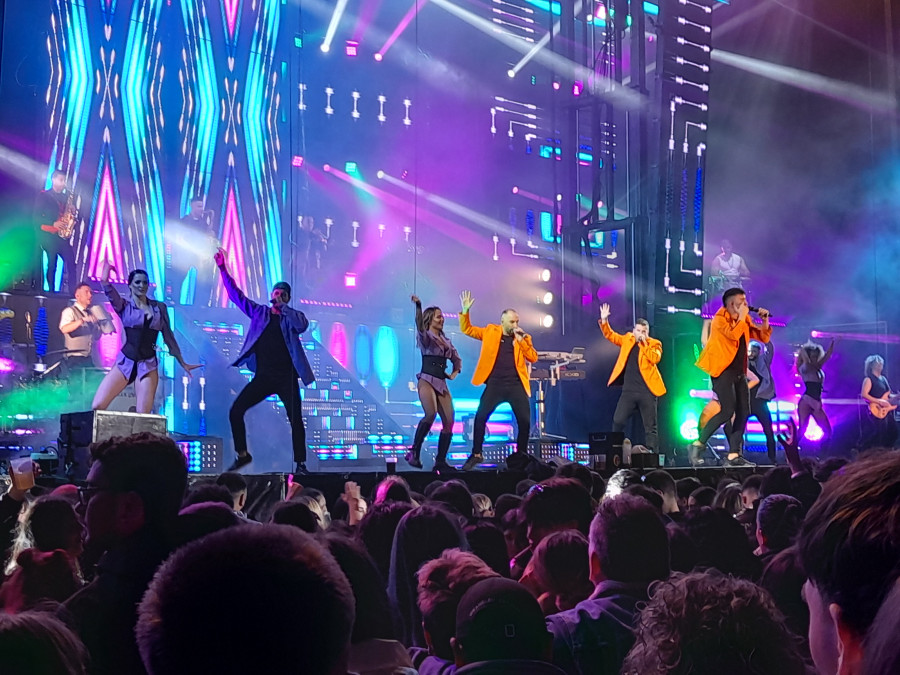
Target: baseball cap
<point>500,619</point>
<point>283,285</point>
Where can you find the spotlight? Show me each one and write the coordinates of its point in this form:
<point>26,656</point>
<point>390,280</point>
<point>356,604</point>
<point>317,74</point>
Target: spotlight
<point>547,321</point>
<point>380,174</point>
<point>350,280</point>
<point>547,298</point>
<point>544,275</point>
<point>326,168</point>
<point>515,189</point>
<point>558,197</point>
<point>590,18</point>
<point>378,56</point>
<point>511,73</point>
<point>297,161</point>
<point>556,85</point>
<point>325,48</point>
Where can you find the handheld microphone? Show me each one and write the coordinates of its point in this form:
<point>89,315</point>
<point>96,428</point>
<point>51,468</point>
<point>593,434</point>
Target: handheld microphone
<point>756,310</point>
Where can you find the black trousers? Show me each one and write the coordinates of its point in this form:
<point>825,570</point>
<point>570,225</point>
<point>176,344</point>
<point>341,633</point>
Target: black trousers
<point>734,398</point>
<point>57,246</point>
<point>259,389</point>
<point>495,394</point>
<point>759,408</point>
<point>643,401</point>
<point>878,433</point>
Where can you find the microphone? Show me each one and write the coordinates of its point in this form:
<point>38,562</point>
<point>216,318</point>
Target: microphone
<point>756,311</point>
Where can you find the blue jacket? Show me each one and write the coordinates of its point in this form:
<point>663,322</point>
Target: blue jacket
<point>293,323</point>
<point>594,638</point>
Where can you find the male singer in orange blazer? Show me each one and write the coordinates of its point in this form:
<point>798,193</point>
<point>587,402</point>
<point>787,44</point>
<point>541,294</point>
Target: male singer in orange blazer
<point>505,349</point>
<point>636,370</point>
<point>725,359</point>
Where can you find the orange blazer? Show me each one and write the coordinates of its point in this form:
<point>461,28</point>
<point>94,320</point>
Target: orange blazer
<point>648,356</point>
<point>490,344</point>
<point>724,339</point>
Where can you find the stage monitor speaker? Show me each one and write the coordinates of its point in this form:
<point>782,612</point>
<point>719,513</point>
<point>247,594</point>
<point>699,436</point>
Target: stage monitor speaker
<point>78,430</point>
<point>605,449</point>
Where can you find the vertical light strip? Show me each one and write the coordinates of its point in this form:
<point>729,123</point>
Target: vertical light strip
<point>149,204</point>
<point>203,86</point>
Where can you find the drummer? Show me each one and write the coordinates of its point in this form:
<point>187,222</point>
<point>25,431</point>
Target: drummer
<point>637,372</point>
<point>81,324</point>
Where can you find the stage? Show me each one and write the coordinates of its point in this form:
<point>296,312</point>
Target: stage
<point>368,152</point>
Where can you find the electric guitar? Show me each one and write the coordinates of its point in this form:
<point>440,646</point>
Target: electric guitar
<point>880,411</point>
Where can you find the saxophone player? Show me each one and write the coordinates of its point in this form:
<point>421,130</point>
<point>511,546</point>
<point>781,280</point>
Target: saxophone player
<point>55,218</point>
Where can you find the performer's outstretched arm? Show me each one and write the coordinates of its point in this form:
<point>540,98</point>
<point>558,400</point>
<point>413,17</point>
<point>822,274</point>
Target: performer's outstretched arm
<point>235,294</point>
<point>465,325</point>
<point>171,342</point>
<point>608,332</point>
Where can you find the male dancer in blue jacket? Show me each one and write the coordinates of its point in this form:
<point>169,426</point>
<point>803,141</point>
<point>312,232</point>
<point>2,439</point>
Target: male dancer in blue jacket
<point>273,351</point>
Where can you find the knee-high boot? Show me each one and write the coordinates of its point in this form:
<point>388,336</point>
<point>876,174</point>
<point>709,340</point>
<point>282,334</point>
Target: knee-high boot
<point>421,432</point>
<point>440,462</point>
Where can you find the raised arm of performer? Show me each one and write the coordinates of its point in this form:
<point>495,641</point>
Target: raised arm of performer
<point>143,320</point>
<point>275,354</point>
<point>506,350</point>
<point>636,370</point>
<point>434,394</point>
<point>235,294</point>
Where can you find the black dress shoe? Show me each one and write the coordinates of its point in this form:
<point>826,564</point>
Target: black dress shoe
<point>443,467</point>
<point>412,460</point>
<point>301,470</point>
<point>241,460</point>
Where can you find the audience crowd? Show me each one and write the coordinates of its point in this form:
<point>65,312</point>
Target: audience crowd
<point>790,571</point>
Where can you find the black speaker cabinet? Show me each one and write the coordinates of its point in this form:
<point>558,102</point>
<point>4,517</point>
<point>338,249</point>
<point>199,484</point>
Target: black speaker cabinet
<point>78,430</point>
<point>606,450</point>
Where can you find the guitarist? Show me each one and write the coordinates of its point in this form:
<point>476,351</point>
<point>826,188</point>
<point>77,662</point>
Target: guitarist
<point>881,427</point>
<point>49,208</point>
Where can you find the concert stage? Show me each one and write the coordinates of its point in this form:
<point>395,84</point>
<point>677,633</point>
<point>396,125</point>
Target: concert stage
<point>333,147</point>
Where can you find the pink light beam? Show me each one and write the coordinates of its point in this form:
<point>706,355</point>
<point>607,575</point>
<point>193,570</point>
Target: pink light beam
<point>233,243</point>
<point>231,15</point>
<point>404,22</point>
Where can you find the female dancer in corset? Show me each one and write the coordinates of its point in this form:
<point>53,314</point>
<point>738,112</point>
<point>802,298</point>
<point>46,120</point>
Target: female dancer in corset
<point>811,357</point>
<point>143,320</point>
<point>436,349</point>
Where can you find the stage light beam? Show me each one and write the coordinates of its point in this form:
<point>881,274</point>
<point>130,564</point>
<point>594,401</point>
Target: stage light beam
<point>339,8</point>
<point>398,30</point>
